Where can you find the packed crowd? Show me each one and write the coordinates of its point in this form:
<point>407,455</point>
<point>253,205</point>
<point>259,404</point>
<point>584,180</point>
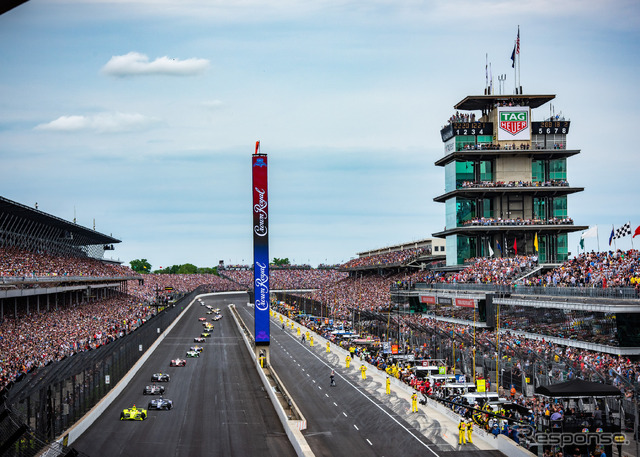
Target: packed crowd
<point>600,269</point>
<point>154,284</point>
<point>288,279</point>
<point>498,221</point>
<point>388,258</point>
<point>481,184</point>
<point>483,270</point>
<point>34,340</point>
<point>20,263</point>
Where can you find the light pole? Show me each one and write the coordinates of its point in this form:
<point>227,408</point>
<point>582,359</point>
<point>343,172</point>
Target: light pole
<point>501,80</point>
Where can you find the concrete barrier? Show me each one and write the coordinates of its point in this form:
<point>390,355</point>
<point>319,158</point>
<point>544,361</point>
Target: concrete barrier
<point>291,427</point>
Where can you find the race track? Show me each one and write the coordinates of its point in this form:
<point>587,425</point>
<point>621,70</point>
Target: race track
<point>221,408</point>
<point>219,404</point>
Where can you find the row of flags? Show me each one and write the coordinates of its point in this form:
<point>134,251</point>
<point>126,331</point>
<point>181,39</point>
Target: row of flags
<point>621,232</point>
<point>515,246</point>
<point>592,232</point>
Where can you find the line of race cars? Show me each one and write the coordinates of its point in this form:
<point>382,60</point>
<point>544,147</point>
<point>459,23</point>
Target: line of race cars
<point>162,403</point>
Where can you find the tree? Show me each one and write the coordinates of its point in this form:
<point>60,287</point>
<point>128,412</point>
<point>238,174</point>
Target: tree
<point>140,266</point>
<point>187,269</point>
<point>281,262</point>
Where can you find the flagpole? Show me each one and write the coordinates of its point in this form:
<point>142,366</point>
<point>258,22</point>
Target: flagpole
<point>515,68</point>
<point>598,237</point>
<point>518,55</point>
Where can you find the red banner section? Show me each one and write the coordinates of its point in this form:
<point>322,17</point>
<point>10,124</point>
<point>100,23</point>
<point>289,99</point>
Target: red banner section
<point>427,299</point>
<point>466,302</point>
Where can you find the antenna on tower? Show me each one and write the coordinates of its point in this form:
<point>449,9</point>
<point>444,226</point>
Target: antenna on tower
<point>74,214</point>
<point>501,80</point>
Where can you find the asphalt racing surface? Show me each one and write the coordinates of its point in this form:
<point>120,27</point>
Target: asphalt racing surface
<point>350,419</point>
<point>220,407</point>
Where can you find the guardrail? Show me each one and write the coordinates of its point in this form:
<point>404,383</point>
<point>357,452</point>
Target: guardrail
<point>625,293</point>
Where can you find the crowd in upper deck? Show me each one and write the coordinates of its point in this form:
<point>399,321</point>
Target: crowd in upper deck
<point>498,221</point>
<point>475,184</point>
<point>15,262</point>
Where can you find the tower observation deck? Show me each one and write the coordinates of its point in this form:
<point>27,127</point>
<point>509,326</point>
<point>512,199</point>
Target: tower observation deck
<point>506,184</point>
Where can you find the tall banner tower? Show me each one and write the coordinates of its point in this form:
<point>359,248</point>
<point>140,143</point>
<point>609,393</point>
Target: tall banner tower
<point>260,247</point>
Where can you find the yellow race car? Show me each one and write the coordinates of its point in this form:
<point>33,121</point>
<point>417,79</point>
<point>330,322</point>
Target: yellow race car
<point>205,334</point>
<point>133,414</point>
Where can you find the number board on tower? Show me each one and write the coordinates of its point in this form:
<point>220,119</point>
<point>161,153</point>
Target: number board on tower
<point>550,128</point>
<point>466,128</point>
<point>472,128</point>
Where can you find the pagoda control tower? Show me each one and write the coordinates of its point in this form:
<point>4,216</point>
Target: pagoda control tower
<point>506,184</point>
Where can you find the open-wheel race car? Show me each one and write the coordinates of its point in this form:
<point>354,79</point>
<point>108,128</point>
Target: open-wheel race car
<point>153,390</point>
<point>217,317</point>
<point>178,362</point>
<point>193,354</point>
<point>205,334</point>
<point>160,377</point>
<point>133,414</point>
<point>160,403</point>
<point>202,319</point>
<point>196,348</point>
<point>198,339</point>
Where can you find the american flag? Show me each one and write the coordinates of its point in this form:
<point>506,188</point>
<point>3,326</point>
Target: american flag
<point>516,50</point>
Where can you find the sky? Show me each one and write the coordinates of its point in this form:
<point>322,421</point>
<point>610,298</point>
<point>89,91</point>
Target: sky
<point>142,116</point>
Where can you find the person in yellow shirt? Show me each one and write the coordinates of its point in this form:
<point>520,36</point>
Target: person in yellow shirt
<point>348,360</point>
<point>414,403</point>
<point>388,385</point>
<point>363,371</point>
<point>462,428</point>
<point>469,431</point>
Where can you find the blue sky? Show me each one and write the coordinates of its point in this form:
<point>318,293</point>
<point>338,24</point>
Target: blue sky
<point>143,115</point>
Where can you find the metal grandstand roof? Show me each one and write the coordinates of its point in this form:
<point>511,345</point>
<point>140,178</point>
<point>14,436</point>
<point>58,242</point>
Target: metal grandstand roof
<point>490,192</point>
<point>87,235</point>
<point>6,5</point>
<point>479,102</point>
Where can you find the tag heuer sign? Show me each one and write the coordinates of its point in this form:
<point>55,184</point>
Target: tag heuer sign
<point>514,123</point>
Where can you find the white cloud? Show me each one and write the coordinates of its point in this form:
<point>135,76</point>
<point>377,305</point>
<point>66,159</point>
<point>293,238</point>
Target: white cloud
<point>134,64</point>
<point>212,104</point>
<point>100,123</point>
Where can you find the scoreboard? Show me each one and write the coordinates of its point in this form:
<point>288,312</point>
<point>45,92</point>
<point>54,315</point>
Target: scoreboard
<point>550,128</point>
<point>466,128</point>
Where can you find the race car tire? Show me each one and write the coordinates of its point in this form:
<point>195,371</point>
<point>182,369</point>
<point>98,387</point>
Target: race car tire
<point>121,416</point>
<point>168,406</point>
